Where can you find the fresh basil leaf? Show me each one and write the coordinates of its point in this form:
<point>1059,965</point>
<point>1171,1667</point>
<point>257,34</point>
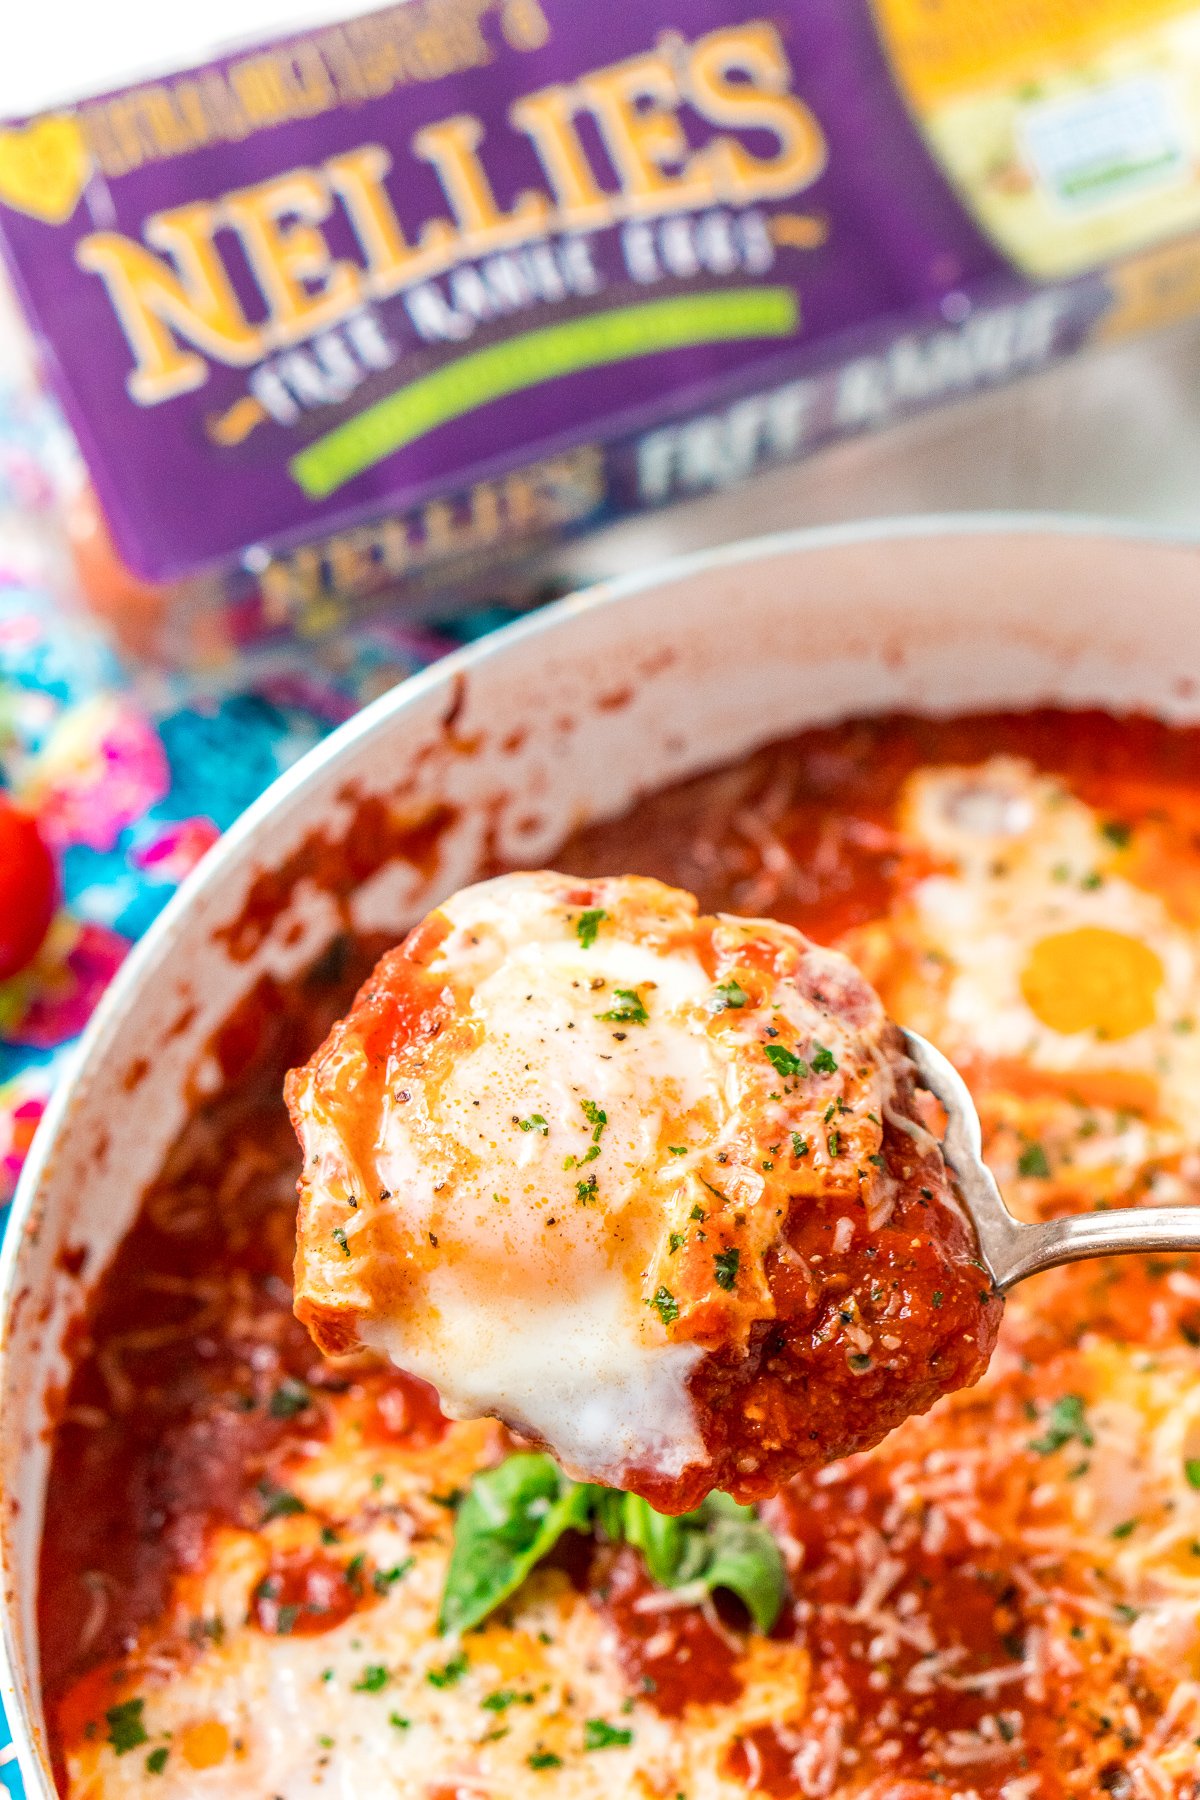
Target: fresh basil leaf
<point>720,1545</point>
<point>745,1559</point>
<point>512,1517</point>
<point>659,1537</point>
<point>608,1510</point>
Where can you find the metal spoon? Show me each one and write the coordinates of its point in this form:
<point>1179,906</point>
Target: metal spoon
<point>1010,1249</point>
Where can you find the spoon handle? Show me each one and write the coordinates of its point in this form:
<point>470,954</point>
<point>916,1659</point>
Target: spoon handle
<point>1009,1249</point>
<point>1128,1230</point>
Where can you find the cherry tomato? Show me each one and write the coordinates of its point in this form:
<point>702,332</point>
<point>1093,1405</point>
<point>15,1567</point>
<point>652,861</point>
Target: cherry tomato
<point>28,888</point>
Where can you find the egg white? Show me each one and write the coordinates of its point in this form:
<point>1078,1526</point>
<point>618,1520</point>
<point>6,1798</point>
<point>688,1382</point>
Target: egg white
<point>1024,859</point>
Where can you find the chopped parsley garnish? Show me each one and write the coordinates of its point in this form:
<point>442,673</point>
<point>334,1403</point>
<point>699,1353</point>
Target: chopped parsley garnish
<point>339,1238</point>
<point>597,1118</point>
<point>535,1122</point>
<point>628,1011</point>
<point>277,1502</point>
<point>698,1212</point>
<point>937,1296</point>
<point>285,1619</point>
<point>585,1190</point>
<point>823,1061</point>
<point>449,1673</point>
<point>588,924</point>
<point>384,1580</point>
<point>675,1242</point>
<point>1191,1469</point>
<point>728,996</point>
<point>598,1734</point>
<point>799,1145</point>
<point>290,1397</point>
<point>400,1723</point>
<point>125,1727</point>
<point>725,1268</point>
<point>1117,832</point>
<point>833,1143</point>
<point>665,1305</point>
<point>677,1149</point>
<point>1066,1421</point>
<point>373,1677</point>
<point>1032,1161</point>
<point>544,1759</point>
<point>503,1698</point>
<point>786,1062</point>
<point>156,1762</point>
<point>1126,1528</point>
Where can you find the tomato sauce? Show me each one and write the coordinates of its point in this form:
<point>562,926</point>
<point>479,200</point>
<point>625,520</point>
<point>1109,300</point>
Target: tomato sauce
<point>193,1382</point>
<point>306,1592</point>
<point>192,1379</point>
<point>671,1655</point>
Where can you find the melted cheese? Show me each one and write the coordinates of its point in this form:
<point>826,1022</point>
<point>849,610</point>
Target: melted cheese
<point>522,1200</point>
<point>380,1703</point>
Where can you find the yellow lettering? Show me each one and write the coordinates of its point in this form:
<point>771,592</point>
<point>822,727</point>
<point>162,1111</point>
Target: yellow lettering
<point>157,304</point>
<point>759,101</point>
<point>525,25</point>
<point>102,142</point>
<point>163,127</point>
<point>288,585</point>
<point>391,261</point>
<point>227,115</point>
<point>260,92</point>
<point>189,99</point>
<point>353,567</point>
<point>124,125</point>
<point>635,106</point>
<point>276,87</point>
<point>438,520</point>
<point>450,146</point>
<point>548,118</point>
<point>301,283</point>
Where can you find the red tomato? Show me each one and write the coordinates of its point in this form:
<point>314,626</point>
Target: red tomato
<point>28,888</point>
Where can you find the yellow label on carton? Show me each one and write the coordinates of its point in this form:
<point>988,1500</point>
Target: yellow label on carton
<point>1070,128</point>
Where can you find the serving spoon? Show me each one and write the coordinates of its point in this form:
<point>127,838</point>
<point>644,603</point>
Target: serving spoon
<point>1011,1250</point>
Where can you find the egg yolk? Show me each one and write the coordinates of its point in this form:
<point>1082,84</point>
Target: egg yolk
<point>205,1745</point>
<point>1092,979</point>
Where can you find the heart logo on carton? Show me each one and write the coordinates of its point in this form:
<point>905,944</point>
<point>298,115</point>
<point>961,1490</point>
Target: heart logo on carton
<point>44,167</point>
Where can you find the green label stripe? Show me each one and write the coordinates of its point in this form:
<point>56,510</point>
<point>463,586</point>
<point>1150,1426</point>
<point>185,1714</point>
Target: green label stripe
<point>527,361</point>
